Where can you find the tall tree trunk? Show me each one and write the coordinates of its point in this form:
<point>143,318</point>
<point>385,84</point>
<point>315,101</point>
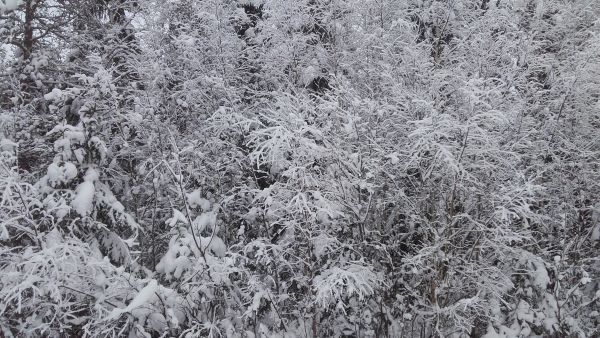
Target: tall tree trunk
<point>27,45</point>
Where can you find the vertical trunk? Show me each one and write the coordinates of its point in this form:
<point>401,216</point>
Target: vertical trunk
<point>27,44</point>
<point>28,29</point>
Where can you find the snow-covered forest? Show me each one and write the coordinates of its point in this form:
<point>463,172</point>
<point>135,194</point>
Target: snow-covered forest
<point>300,168</point>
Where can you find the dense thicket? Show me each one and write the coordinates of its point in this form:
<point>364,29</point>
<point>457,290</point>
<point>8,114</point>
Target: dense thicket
<point>308,168</point>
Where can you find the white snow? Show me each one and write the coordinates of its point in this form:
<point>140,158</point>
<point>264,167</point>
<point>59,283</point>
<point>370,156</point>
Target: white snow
<point>4,232</point>
<point>83,201</point>
<point>354,279</point>
<point>178,216</point>
<point>61,173</point>
<point>53,239</point>
<point>322,244</point>
<point>214,244</point>
<point>54,95</point>
<point>8,145</point>
<point>195,200</point>
<point>540,278</point>
<point>178,257</point>
<point>91,175</point>
<point>309,74</point>
<point>9,5</point>
<point>393,157</point>
<point>524,312</point>
<point>585,279</point>
<point>596,233</point>
<point>143,297</point>
<point>204,220</point>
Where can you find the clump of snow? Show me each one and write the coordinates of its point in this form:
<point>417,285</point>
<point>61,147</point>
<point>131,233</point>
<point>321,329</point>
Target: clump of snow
<point>491,333</point>
<point>8,145</point>
<point>215,245</point>
<point>53,239</point>
<point>176,260</point>
<point>4,232</point>
<point>393,157</point>
<point>178,216</point>
<point>523,312</point>
<point>135,117</point>
<point>174,318</point>
<point>157,322</point>
<point>204,220</point>
<point>241,230</point>
<point>55,95</point>
<point>91,175</point>
<point>79,155</point>
<point>99,146</point>
<point>9,5</point>
<point>83,201</point>
<point>143,297</point>
<point>251,215</point>
<point>100,280</point>
<point>354,279</point>
<point>540,275</point>
<point>195,200</point>
<point>309,74</point>
<point>62,172</point>
<point>550,310</point>
<point>596,221</point>
<point>322,244</point>
<point>56,203</point>
<point>118,249</point>
<point>585,279</point>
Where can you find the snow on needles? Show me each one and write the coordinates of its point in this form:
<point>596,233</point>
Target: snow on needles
<point>83,201</point>
<point>143,297</point>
